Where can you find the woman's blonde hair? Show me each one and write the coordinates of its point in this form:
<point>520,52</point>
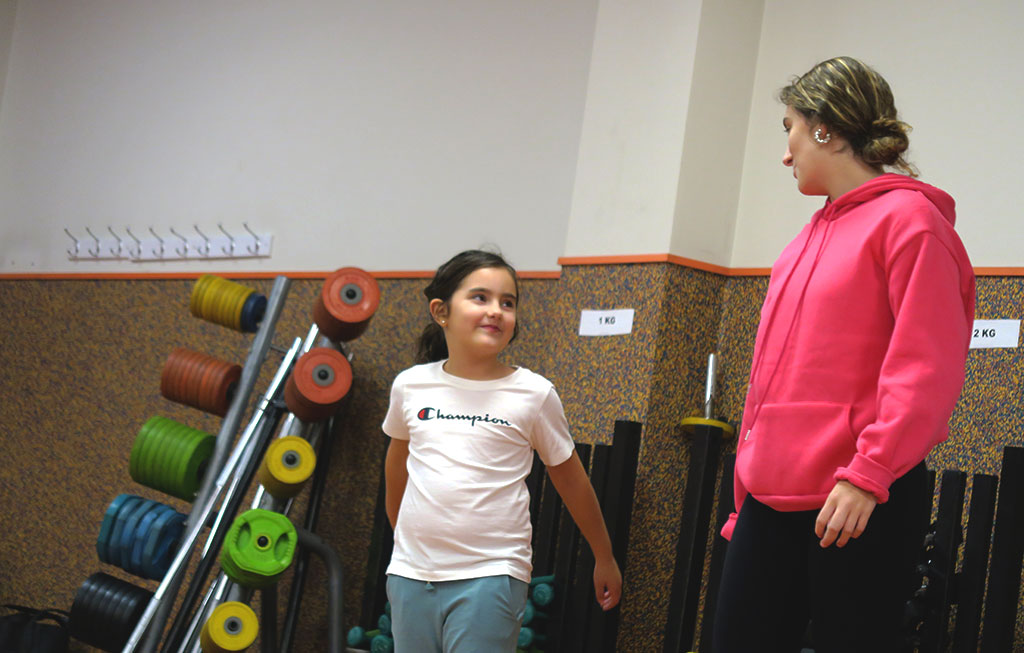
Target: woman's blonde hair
<point>856,103</point>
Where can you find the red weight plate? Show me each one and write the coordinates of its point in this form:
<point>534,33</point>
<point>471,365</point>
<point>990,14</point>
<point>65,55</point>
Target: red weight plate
<point>299,406</point>
<point>322,376</point>
<point>347,301</point>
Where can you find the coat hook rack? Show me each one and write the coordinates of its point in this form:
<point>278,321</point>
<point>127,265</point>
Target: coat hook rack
<point>195,244</point>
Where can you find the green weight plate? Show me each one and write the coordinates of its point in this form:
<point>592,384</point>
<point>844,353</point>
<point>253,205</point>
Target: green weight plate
<point>260,543</point>
<point>155,428</point>
<point>113,548</point>
<point>143,443</point>
<point>183,489</point>
<point>165,443</point>
<point>129,533</point>
<point>198,455</point>
<point>133,458</point>
<point>107,525</point>
<point>173,462</point>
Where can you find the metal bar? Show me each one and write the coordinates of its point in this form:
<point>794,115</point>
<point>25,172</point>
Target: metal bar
<point>617,504</point>
<point>719,544</point>
<point>560,629</point>
<point>240,470</point>
<point>1007,548</point>
<point>581,617</point>
<point>164,595</point>
<point>335,586</point>
<point>971,581</point>
<point>941,565</point>
<point>325,436</point>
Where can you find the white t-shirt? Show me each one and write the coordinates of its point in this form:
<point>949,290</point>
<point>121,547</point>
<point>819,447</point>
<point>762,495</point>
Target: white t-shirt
<point>466,509</point>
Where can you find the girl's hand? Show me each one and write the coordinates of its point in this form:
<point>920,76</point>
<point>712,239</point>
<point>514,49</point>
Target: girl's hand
<point>607,583</point>
<point>844,515</point>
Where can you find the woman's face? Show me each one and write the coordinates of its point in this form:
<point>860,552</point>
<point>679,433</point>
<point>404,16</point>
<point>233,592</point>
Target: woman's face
<point>806,156</point>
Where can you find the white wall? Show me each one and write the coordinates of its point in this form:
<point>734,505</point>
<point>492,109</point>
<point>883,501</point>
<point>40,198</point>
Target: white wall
<point>632,140</point>
<point>954,72</point>
<point>385,134</point>
<point>7,11</point>
<point>390,134</point>
<point>716,130</point>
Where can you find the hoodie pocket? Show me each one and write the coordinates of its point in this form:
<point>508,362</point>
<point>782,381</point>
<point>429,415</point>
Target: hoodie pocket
<point>794,449</point>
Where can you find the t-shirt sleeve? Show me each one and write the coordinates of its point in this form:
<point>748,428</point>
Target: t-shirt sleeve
<point>550,436</point>
<point>394,422</point>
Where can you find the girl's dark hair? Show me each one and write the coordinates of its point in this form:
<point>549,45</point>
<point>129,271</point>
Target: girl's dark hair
<point>432,345</point>
<point>854,101</point>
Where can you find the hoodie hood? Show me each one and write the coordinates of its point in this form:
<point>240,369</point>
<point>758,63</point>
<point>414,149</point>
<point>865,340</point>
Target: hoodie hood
<point>883,184</point>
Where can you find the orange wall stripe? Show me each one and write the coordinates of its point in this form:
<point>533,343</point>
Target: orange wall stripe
<point>426,274</point>
<point>382,274</point>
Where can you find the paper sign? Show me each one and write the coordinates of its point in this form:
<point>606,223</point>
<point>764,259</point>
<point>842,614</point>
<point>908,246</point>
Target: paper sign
<point>606,323</point>
<point>992,334</point>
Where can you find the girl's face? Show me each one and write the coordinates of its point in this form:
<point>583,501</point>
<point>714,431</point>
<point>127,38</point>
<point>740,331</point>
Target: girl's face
<point>480,318</point>
<point>804,154</point>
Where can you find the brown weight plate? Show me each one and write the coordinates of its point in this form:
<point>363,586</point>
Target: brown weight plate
<point>228,378</point>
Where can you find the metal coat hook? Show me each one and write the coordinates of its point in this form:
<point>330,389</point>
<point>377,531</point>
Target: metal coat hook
<point>120,244</point>
<point>204,250</point>
<point>138,245</point>
<point>159,254</point>
<point>184,241</point>
<point>93,254</point>
<point>231,239</point>
<point>255,252</point>
<point>78,245</point>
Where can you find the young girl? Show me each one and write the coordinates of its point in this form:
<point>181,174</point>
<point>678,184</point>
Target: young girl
<point>463,427</point>
<point>858,363</point>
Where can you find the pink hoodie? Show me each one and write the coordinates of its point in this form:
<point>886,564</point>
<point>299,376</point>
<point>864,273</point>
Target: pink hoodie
<point>861,347</point>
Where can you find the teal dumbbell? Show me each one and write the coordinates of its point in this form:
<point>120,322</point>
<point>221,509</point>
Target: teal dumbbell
<point>357,636</point>
<point>382,644</point>
<point>528,637</point>
<point>542,594</point>
<point>531,612</point>
<point>384,624</point>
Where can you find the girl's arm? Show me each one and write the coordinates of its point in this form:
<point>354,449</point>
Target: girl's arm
<point>572,484</point>
<point>396,475</point>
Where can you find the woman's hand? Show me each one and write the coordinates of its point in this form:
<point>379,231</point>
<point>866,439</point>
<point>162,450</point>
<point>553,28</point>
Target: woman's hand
<point>844,515</point>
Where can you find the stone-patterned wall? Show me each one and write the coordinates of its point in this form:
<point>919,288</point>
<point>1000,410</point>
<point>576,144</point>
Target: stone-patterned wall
<point>79,373</point>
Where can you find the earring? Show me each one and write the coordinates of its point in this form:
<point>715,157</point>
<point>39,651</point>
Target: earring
<point>822,140</point>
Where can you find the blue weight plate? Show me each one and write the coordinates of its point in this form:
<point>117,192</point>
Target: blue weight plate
<point>253,311</point>
<point>107,525</point>
<point>141,532</point>
<point>130,530</point>
<point>163,534</point>
<point>113,542</point>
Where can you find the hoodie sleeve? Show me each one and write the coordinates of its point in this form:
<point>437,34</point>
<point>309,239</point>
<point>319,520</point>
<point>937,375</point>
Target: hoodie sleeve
<point>739,494</point>
<point>931,294</point>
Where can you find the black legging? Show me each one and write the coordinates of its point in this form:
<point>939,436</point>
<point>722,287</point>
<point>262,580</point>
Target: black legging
<point>777,578</point>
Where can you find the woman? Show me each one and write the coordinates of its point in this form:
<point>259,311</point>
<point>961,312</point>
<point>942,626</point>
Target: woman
<point>858,363</point>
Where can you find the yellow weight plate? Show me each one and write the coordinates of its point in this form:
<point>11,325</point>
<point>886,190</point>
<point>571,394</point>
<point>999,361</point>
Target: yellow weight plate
<point>232,626</point>
<point>288,464</point>
<point>727,429</point>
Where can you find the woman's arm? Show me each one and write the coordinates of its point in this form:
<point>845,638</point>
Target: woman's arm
<point>396,475</point>
<point>572,484</point>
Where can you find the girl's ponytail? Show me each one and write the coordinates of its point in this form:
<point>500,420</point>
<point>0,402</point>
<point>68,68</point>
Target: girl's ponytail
<point>432,346</point>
